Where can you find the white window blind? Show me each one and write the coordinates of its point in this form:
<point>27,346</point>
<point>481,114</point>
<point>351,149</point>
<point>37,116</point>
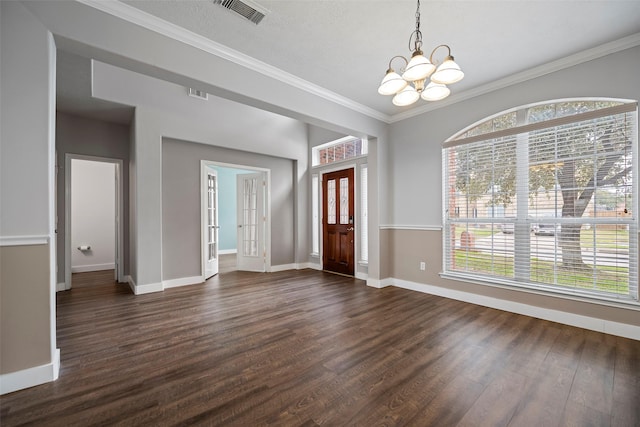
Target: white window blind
<point>549,205</point>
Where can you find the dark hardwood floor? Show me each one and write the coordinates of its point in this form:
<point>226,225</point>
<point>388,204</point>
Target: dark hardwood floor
<point>309,348</point>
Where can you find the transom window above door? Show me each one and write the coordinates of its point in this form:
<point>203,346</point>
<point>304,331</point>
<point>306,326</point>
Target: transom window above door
<point>345,148</point>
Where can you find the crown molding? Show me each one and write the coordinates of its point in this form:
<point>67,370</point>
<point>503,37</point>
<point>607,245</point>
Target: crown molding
<point>153,23</point>
<point>532,73</point>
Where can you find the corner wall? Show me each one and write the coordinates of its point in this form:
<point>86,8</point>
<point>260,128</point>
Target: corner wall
<point>27,238</point>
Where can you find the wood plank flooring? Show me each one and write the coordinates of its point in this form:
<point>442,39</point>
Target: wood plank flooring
<point>307,348</point>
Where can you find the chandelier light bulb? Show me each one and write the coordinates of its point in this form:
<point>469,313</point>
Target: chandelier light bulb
<point>448,72</point>
<point>406,96</point>
<point>392,83</point>
<point>435,92</point>
<point>419,67</point>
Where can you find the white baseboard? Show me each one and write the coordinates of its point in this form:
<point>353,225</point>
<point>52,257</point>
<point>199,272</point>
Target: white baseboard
<point>283,267</point>
<point>571,319</point>
<point>148,288</point>
<point>31,377</point>
<point>298,266</point>
<point>362,276</point>
<point>376,283</point>
<point>144,289</point>
<point>182,281</point>
<point>62,286</point>
<point>227,251</point>
<point>92,267</point>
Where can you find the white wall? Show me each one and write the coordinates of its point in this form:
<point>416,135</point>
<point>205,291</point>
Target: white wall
<point>93,211</point>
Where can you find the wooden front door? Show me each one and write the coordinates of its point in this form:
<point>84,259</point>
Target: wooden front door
<point>338,222</point>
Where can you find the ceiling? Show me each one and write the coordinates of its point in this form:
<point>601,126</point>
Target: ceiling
<point>345,46</point>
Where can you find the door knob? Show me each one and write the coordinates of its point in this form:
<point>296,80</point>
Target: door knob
<point>350,229</point>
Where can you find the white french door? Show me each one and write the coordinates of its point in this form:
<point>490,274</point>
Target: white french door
<point>251,222</point>
<point>210,228</point>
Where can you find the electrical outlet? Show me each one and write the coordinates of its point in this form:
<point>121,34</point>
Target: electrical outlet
<point>423,265</point>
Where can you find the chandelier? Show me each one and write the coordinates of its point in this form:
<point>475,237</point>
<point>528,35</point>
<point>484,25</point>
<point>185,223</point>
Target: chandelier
<point>409,87</point>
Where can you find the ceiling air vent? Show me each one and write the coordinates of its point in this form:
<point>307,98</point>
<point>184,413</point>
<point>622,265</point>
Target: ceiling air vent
<point>200,94</point>
<point>245,8</point>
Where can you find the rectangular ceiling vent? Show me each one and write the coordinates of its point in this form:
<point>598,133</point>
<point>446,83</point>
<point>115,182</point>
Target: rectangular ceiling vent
<point>200,94</point>
<point>245,8</point>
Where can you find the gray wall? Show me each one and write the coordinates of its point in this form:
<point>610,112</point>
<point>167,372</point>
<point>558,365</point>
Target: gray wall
<point>79,135</point>
<point>153,126</point>
<point>163,110</point>
<point>415,151</point>
<point>181,256</point>
<point>27,285</point>
<point>415,175</point>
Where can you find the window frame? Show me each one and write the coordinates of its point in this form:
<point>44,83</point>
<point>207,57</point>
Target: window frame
<point>462,138</point>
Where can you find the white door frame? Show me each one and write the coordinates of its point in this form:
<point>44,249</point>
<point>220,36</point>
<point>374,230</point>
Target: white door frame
<point>267,233</point>
<point>205,170</point>
<point>119,187</point>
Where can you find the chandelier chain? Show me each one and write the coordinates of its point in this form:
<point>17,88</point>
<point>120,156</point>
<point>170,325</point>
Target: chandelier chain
<point>417,33</point>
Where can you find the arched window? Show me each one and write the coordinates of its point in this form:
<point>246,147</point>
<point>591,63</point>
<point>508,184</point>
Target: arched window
<point>545,197</point>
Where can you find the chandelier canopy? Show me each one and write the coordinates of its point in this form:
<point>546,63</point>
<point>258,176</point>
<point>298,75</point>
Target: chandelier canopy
<point>410,86</point>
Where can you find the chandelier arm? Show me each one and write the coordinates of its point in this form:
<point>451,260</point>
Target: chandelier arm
<point>398,56</point>
<point>436,48</point>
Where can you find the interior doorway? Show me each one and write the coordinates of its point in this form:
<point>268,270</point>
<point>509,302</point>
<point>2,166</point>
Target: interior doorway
<point>338,249</point>
<point>93,212</point>
<point>235,218</point>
